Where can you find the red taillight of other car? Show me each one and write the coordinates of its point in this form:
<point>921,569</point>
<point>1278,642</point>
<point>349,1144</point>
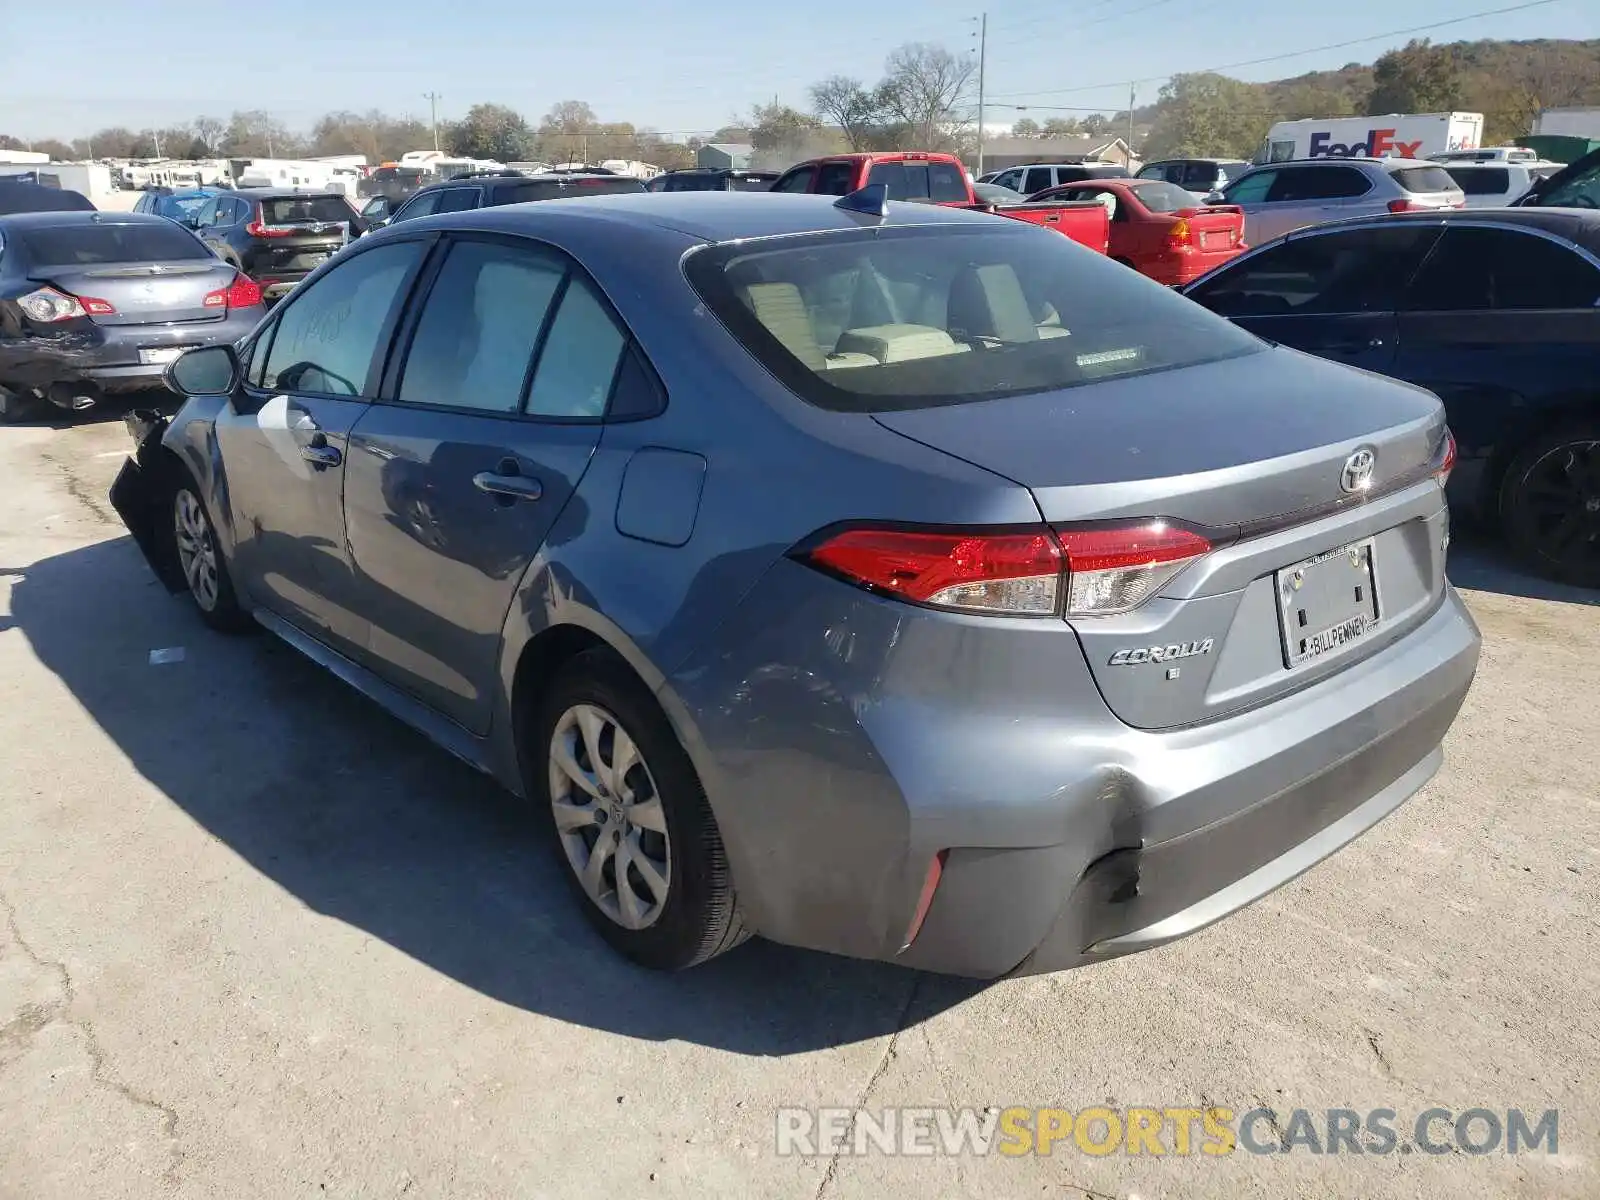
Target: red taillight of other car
<point>1031,573</point>
<point>243,292</point>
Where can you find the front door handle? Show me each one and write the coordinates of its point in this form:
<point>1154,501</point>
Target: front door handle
<point>508,485</point>
<point>319,452</point>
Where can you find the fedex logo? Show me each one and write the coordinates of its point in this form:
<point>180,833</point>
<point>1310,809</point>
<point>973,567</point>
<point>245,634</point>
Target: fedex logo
<point>1379,142</point>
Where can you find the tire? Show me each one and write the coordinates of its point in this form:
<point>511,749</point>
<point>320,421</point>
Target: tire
<point>1550,505</point>
<point>674,848</point>
<point>200,559</point>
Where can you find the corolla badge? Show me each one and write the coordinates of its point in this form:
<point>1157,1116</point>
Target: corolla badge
<point>1134,656</point>
<point>1357,474</point>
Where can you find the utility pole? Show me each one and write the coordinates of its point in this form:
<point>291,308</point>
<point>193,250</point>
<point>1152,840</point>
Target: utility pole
<point>155,136</point>
<point>983,56</point>
<point>1133,89</point>
<point>433,99</point>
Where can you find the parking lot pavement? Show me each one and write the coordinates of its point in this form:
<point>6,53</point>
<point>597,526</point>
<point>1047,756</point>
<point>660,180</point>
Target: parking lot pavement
<point>258,939</point>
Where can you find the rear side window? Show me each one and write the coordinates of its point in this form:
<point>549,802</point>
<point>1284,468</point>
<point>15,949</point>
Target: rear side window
<point>329,332</point>
<point>1481,181</point>
<point>706,182</point>
<point>1353,271</point>
<point>921,316</point>
<point>71,245</point>
<point>836,178</point>
<point>1424,179</point>
<point>1503,268</point>
<point>578,361</point>
<point>305,210</point>
<point>476,337</point>
<point>1251,189</point>
<point>798,180</point>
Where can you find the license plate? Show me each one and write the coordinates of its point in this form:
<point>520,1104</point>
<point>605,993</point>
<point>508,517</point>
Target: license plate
<point>1327,602</point>
<point>160,354</point>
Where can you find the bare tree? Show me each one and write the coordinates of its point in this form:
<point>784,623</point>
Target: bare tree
<point>212,131</point>
<point>848,104</point>
<point>923,83</point>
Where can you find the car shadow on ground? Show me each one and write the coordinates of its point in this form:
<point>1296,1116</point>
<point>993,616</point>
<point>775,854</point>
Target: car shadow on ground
<point>1481,562</point>
<point>365,821</point>
<point>110,408</point>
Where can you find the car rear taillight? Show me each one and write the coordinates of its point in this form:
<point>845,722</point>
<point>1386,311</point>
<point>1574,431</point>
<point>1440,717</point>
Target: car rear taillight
<point>1116,568</point>
<point>243,292</point>
<point>1076,572</point>
<point>47,305</point>
<point>930,885</point>
<point>1405,206</point>
<point>1179,235</point>
<point>259,227</point>
<point>1445,460</point>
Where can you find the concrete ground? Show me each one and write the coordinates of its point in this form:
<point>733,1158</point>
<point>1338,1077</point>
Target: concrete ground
<point>257,939</point>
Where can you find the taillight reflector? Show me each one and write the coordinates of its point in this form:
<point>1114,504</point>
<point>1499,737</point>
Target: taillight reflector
<point>1114,569</point>
<point>1446,460</point>
<point>930,885</point>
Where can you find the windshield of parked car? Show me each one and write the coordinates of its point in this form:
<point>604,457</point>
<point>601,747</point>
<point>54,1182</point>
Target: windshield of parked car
<point>1163,197</point>
<point>305,210</point>
<point>180,207</point>
<point>73,245</point>
<point>914,317</point>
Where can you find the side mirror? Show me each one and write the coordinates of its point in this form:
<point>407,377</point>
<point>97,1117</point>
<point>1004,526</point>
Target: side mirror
<point>204,371</point>
<point>1215,198</point>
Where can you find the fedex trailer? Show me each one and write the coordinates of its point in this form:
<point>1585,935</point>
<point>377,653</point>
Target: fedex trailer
<point>1398,135</point>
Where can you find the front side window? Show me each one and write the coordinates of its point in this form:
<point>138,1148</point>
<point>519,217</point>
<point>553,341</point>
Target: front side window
<point>476,337</point>
<point>798,180</point>
<point>1010,179</point>
<point>328,336</point>
<point>1301,184</point>
<point>1353,271</point>
<point>915,317</point>
<point>423,204</point>
<point>1252,188</point>
<point>1503,268</point>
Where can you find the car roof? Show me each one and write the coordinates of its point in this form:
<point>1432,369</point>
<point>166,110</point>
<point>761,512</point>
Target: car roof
<point>1578,225</point>
<point>65,217</point>
<point>704,216</point>
<point>279,193</point>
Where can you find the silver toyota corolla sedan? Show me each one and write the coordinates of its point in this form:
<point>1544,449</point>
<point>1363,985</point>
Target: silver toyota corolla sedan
<point>896,581</point>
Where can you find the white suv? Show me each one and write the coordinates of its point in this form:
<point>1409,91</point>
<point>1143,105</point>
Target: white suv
<point>1281,197</point>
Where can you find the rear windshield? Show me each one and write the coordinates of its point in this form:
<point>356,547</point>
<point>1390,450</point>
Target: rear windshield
<point>555,189</point>
<point>1163,197</point>
<point>1481,181</point>
<point>1424,179</point>
<point>305,210</point>
<point>916,317</point>
<point>68,245</point>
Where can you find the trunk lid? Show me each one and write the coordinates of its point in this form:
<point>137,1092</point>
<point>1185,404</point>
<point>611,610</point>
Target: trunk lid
<point>1252,451</point>
<point>145,293</point>
<point>1214,226</point>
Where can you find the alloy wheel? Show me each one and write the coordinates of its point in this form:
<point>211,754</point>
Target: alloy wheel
<point>197,549</point>
<point>608,816</point>
<point>1561,500</point>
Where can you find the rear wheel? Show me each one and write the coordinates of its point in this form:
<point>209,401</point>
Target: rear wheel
<point>1550,505</point>
<point>205,570</point>
<point>634,834</point>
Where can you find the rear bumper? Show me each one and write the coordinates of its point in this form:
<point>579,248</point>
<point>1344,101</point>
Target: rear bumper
<point>107,356</point>
<point>890,735</point>
<point>1176,270</point>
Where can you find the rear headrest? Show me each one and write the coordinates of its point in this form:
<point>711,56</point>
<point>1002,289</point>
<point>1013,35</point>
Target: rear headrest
<point>988,301</point>
<point>782,310</point>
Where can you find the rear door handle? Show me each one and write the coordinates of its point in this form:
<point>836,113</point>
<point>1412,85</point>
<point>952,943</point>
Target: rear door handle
<point>509,484</point>
<point>319,452</point>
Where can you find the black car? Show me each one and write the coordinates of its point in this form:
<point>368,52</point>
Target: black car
<point>21,197</point>
<point>489,189</point>
<point>277,236</point>
<point>1575,186</point>
<point>93,302</point>
<point>1492,309</point>
<point>714,179</point>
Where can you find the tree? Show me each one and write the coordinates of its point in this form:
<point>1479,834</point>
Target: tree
<point>921,88</point>
<point>57,150</point>
<point>1205,114</point>
<point>257,134</point>
<point>776,126</point>
<point>491,131</point>
<point>1419,77</point>
<point>848,104</point>
<point>1027,127</point>
<point>730,133</point>
<point>1061,127</point>
<point>1311,99</point>
<point>211,130</point>
<point>1096,125</point>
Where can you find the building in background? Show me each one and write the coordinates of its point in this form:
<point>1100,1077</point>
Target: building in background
<point>725,156</point>
<point>1002,152</point>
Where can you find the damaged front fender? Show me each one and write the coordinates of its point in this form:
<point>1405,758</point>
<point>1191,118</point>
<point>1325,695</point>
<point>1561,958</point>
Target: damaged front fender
<point>142,495</point>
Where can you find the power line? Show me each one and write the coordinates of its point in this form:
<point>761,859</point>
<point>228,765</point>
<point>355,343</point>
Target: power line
<point>1253,62</point>
<point>1121,14</point>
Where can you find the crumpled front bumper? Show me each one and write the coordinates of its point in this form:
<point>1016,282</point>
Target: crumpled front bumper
<point>142,496</point>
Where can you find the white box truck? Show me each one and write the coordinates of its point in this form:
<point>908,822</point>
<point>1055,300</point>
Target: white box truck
<point>1568,122</point>
<point>1397,135</point>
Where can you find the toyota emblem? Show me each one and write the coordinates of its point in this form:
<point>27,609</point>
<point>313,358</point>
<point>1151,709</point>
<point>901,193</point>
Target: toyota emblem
<point>1357,474</point>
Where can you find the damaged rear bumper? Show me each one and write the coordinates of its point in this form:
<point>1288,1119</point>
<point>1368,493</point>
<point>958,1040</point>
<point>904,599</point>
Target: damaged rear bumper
<point>142,495</point>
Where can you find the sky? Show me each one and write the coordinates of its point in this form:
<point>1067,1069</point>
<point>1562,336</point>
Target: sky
<point>71,68</point>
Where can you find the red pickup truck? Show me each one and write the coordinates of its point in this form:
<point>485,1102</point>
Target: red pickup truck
<point>940,179</point>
